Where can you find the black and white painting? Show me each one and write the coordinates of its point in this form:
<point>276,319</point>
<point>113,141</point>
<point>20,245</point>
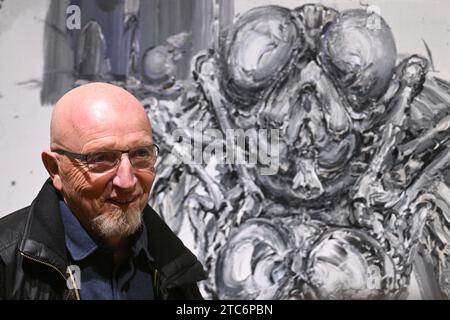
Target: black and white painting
<point>304,152</point>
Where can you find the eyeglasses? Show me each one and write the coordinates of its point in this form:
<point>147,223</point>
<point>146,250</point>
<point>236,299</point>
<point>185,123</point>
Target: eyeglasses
<point>141,158</point>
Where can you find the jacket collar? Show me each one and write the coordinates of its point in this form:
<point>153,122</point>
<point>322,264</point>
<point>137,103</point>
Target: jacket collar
<point>172,259</point>
<point>44,232</point>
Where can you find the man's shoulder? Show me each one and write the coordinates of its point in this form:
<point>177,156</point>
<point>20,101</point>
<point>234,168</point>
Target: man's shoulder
<point>12,227</point>
<point>170,254</point>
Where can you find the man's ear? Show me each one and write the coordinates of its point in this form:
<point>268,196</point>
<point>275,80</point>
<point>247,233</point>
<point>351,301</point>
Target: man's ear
<point>51,164</point>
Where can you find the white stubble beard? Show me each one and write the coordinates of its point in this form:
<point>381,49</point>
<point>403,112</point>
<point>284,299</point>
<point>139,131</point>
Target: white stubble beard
<point>117,223</point>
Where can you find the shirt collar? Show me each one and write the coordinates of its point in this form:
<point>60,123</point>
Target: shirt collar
<point>78,241</point>
<point>140,243</point>
<point>81,245</point>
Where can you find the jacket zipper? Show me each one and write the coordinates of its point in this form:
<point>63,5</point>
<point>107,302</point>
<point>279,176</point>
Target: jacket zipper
<point>156,283</point>
<point>53,267</point>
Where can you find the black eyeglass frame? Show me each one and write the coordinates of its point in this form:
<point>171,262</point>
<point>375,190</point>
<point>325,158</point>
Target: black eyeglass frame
<point>84,156</point>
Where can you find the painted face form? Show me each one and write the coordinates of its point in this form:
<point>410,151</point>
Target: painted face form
<point>106,118</point>
<point>310,76</point>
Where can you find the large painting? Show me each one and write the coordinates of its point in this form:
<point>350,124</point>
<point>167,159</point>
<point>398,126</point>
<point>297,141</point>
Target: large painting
<point>303,155</point>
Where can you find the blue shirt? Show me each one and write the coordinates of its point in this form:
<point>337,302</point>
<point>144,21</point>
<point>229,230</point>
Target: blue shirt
<point>100,279</point>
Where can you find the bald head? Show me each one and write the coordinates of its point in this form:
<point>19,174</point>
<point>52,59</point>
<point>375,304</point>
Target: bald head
<point>92,108</point>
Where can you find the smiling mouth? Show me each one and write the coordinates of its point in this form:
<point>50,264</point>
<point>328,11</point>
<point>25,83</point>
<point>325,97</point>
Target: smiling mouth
<point>121,202</point>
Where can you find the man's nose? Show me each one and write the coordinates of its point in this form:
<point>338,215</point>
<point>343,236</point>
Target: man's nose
<point>125,178</point>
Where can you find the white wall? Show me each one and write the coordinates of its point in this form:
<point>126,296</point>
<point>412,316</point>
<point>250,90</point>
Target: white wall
<point>24,124</point>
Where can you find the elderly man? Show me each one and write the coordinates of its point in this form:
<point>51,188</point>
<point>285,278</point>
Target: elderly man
<point>90,233</point>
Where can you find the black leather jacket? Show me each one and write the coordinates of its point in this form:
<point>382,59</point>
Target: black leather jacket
<point>34,258</point>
